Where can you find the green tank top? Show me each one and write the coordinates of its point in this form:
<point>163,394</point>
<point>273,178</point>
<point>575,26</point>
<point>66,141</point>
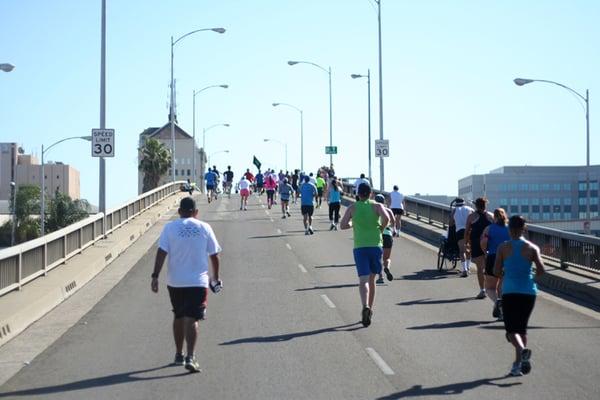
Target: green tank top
<point>365,224</point>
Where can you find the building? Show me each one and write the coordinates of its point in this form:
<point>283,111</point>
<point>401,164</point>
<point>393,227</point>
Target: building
<point>24,169</point>
<point>541,194</point>
<point>185,148</point>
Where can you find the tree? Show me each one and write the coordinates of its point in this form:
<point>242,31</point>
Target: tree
<point>63,211</point>
<point>27,204</point>
<point>155,162</point>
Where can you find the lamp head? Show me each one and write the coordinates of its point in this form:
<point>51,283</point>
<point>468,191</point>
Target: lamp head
<point>226,151</point>
<point>275,104</point>
<point>6,67</point>
<point>88,138</point>
<point>265,140</point>
<point>218,30</point>
<point>13,184</point>
<point>521,81</point>
<point>292,62</point>
<point>224,86</point>
<point>227,125</point>
<point>354,76</point>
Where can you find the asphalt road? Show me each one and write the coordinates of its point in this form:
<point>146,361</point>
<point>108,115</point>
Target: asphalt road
<point>286,326</point>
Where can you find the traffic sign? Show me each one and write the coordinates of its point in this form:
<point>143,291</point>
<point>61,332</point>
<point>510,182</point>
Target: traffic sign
<point>382,148</point>
<point>330,149</point>
<point>103,142</point>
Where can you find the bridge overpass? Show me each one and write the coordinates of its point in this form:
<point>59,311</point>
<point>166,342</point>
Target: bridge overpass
<point>287,323</point>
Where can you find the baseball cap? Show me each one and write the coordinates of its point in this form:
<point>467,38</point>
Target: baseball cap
<point>380,198</point>
<point>187,204</point>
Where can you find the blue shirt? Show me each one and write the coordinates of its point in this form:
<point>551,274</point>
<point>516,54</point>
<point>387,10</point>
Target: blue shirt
<point>308,191</point>
<point>210,177</point>
<point>518,275</point>
<point>259,178</point>
<point>335,196</point>
<point>497,234</point>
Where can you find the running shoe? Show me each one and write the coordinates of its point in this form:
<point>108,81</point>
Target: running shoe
<point>526,361</point>
<point>310,230</point>
<point>306,233</point>
<point>179,359</point>
<point>388,274</point>
<point>366,316</point>
<point>516,370</point>
<point>283,217</point>
<point>481,295</point>
<point>288,214</point>
<point>380,280</point>
<point>332,227</point>
<point>192,365</point>
<point>464,274</point>
<point>496,311</point>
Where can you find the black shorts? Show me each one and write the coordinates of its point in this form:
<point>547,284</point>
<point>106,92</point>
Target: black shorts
<point>188,301</point>
<point>476,250</point>
<point>490,260</point>
<point>210,187</point>
<point>295,187</point>
<point>460,235</point>
<point>516,308</point>
<point>307,210</point>
<point>388,241</point>
<point>398,211</point>
<point>320,192</point>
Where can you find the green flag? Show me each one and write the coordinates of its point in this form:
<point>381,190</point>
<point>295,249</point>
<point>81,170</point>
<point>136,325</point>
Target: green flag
<point>256,162</point>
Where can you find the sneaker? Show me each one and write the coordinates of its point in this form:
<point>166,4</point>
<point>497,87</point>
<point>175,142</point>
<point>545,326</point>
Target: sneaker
<point>283,217</point>
<point>516,370</point>
<point>366,316</point>
<point>306,232</point>
<point>481,295</point>
<point>526,361</point>
<point>179,359</point>
<point>240,208</point>
<point>496,311</point>
<point>380,280</point>
<point>245,209</point>
<point>464,274</point>
<point>500,312</point>
<point>335,228</point>
<point>288,214</point>
<point>192,365</point>
<point>388,274</point>
<point>310,230</point>
<point>332,227</point>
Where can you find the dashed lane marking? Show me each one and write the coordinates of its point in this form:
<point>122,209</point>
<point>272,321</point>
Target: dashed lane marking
<point>302,268</point>
<point>288,246</point>
<point>327,301</point>
<point>279,231</point>
<point>272,220</point>
<point>383,366</point>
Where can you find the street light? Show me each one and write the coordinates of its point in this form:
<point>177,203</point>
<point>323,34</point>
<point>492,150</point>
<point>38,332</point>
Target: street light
<point>216,152</point>
<point>368,76</point>
<point>172,108</point>
<point>13,188</point>
<point>328,71</point>
<point>194,123</point>
<point>6,67</point>
<point>204,130</point>
<point>301,132</point>
<point>43,179</point>
<point>381,162</point>
<point>586,99</point>
<point>284,144</point>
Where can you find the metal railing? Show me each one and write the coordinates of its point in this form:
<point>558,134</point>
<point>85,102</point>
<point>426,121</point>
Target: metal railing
<point>565,248</point>
<point>22,263</point>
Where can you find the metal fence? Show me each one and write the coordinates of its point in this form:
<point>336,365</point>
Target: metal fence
<point>565,248</point>
<point>27,261</point>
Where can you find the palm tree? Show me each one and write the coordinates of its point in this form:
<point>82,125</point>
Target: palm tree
<point>155,162</point>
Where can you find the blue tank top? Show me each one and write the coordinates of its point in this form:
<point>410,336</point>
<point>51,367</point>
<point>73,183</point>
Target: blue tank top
<point>334,196</point>
<point>497,234</point>
<point>518,275</point>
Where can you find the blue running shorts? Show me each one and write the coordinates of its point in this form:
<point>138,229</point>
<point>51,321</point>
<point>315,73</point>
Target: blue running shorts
<point>368,260</point>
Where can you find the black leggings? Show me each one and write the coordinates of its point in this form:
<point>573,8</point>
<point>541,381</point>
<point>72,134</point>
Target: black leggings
<point>270,194</point>
<point>334,212</point>
<point>517,308</point>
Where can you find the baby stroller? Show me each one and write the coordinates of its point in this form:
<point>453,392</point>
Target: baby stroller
<point>448,253</point>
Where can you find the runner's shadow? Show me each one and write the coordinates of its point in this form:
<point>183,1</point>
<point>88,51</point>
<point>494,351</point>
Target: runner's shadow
<point>265,237</point>
<point>329,287</point>
<point>501,327</point>
<point>427,275</point>
<point>289,336</point>
<point>456,324</point>
<point>334,266</point>
<point>108,380</point>
<point>451,389</point>
<point>440,301</point>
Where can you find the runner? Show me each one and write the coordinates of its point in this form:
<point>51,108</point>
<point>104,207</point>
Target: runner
<point>244,186</point>
<point>387,237</point>
<point>476,223</point>
<point>308,193</point>
<point>312,179</point>
<point>513,262</point>
<point>295,180</point>
<point>228,181</point>
<point>357,183</point>
<point>285,191</point>
<point>367,220</point>
<point>211,180</point>
<point>320,184</point>
<point>260,180</point>
<point>249,175</point>
<point>189,243</point>
<point>397,204</point>
<point>217,180</point>
<point>334,198</point>
<point>492,237</point>
<point>458,217</point>
<point>270,186</point>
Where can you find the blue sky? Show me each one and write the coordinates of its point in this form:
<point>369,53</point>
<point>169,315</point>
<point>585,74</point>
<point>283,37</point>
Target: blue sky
<point>450,107</point>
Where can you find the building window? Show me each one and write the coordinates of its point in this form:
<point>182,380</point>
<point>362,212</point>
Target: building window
<point>556,209</point>
<point>503,187</point>
<point>189,172</point>
<point>582,201</point>
<point>545,187</point>
<point>514,201</point>
<point>546,209</point>
<point>535,209</point>
<point>567,187</point>
<point>567,201</point>
<point>512,187</point>
<point>556,216</point>
<point>582,187</point>
<point>534,187</point>
<point>594,185</point>
<point>524,201</point>
<point>546,201</point>
<point>593,200</point>
<point>176,172</point>
<point>567,209</point>
<point>523,187</point>
<point>514,209</point>
<point>546,216</point>
<point>524,209</point>
<point>535,201</point>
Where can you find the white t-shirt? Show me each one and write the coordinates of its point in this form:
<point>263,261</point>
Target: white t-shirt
<point>358,182</point>
<point>244,184</point>
<point>188,242</point>
<point>396,199</point>
<point>460,216</point>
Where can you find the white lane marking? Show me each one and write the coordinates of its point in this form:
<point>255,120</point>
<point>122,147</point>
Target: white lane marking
<point>327,301</point>
<point>288,246</point>
<point>383,366</point>
<point>262,205</point>
<point>272,220</point>
<point>267,212</point>
<point>302,268</point>
<point>279,231</point>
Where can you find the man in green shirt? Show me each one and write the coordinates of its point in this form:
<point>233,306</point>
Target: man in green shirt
<point>367,219</point>
<point>320,184</point>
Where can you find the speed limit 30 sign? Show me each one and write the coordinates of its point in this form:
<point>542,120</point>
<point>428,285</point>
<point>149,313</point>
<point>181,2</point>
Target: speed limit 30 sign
<point>103,142</point>
<point>382,148</point>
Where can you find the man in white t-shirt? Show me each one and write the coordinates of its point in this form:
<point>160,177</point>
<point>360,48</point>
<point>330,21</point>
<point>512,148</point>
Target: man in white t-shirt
<point>189,244</point>
<point>459,218</point>
<point>357,183</point>
<point>397,205</point>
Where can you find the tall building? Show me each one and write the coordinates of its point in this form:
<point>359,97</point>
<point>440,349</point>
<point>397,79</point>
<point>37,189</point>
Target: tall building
<point>185,148</point>
<point>541,194</point>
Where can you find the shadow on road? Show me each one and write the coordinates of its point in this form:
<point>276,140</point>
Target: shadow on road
<point>457,324</point>
<point>328,287</point>
<point>109,380</point>
<point>439,301</point>
<point>265,237</point>
<point>289,336</point>
<point>427,275</point>
<point>451,389</point>
<point>334,266</point>
<point>501,327</point>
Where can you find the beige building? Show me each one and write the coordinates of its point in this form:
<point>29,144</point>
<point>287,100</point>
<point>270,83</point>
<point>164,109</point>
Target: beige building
<point>184,153</point>
<point>24,169</point>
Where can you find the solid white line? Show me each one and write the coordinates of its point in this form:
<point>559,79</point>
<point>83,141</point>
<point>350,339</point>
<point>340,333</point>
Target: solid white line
<point>288,246</point>
<point>302,268</point>
<point>327,301</point>
<point>379,361</point>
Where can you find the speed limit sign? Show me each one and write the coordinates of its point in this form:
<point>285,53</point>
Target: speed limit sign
<point>382,148</point>
<point>103,142</point>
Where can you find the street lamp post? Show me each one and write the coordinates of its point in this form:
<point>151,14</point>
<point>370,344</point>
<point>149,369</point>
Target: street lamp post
<point>381,162</point>
<point>284,144</point>
<point>6,67</point>
<point>368,76</point>
<point>204,130</point>
<point>194,124</point>
<point>328,71</point>
<point>586,99</point>
<point>216,152</point>
<point>172,94</point>
<point>43,180</point>
<point>13,187</point>
<point>301,132</point>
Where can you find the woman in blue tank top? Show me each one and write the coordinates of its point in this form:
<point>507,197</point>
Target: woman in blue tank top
<point>513,261</point>
<point>493,235</point>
